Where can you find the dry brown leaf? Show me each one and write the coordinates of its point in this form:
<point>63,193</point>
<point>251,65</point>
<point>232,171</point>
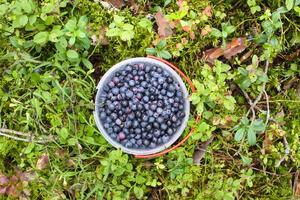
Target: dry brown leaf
<point>186,28</point>
<point>184,41</point>
<point>296,186</point>
<point>207,11</point>
<point>266,145</point>
<point>206,30</point>
<point>200,152</point>
<point>42,162</point>
<point>164,28</point>
<point>237,45</point>
<point>116,3</point>
<point>192,35</point>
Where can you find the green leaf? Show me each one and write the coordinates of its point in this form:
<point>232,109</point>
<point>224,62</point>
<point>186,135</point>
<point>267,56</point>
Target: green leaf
<point>80,34</point>
<point>151,51</point>
<point>216,33</point>
<point>72,141</point>
<point>145,23</point>
<point>118,19</point>
<point>128,27</point>
<point>71,25</point>
<point>164,54</point>
<point>72,41</point>
<point>258,125</point>
<point>161,44</point>
<point>246,160</point>
<point>41,37</point>
<point>139,193</point>
<point>251,137</point>
<point>195,99</point>
<point>200,108</point>
<point>87,63</point>
<point>72,54</point>
<point>3,9</point>
<point>126,35</point>
<point>82,22</point>
<point>63,134</point>
<point>239,134</point>
<point>22,20</point>
<point>289,4</point>
<point>229,103</point>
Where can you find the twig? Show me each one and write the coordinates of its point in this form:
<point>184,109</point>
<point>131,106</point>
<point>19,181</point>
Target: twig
<point>250,103</point>
<point>26,137</point>
<point>263,87</point>
<point>268,108</point>
<point>4,130</point>
<point>15,138</point>
<point>286,152</point>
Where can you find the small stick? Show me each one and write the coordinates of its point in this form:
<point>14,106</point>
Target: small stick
<point>268,108</point>
<point>4,130</point>
<point>287,151</point>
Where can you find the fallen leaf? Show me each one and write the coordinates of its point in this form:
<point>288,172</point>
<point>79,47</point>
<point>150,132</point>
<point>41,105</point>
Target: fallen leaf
<point>116,3</point>
<point>266,145</point>
<point>200,152</point>
<point>4,180</point>
<point>42,162</point>
<point>102,37</point>
<point>192,35</point>
<point>164,28</point>
<point>237,45</point>
<point>206,30</point>
<point>246,56</point>
<point>207,11</point>
<point>186,28</point>
<point>184,40</point>
<point>3,190</point>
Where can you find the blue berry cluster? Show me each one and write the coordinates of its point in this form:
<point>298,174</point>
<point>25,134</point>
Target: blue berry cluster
<point>141,106</point>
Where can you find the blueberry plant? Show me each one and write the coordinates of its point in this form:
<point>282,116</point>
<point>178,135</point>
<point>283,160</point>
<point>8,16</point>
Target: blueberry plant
<point>245,143</point>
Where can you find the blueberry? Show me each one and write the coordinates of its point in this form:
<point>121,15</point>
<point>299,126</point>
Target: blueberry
<point>143,124</point>
<point>111,107</point>
<point>169,123</point>
<point>152,145</point>
<point>159,110</point>
<point>156,133</point>
<point>135,124</point>
<point>159,140</point>
<point>128,68</point>
<point>156,125</point>
<point>146,142</point>
<point>128,124</point>
<point>165,138</point>
<point>106,125</point>
<point>129,94</point>
<point>160,120</point>
<point>111,84</point>
<point>174,118</point>
<point>155,115</point>
<point>148,127</point>
<point>113,116</point>
<point>102,115</point>
<point>138,136</point>
<point>170,131</point>
<point>170,94</point>
<point>110,130</point>
<point>132,140</point>
<point>118,122</point>
<point>138,131</point>
<point>149,136</point>
<point>131,116</point>
<point>114,136</point>
<point>126,131</point>
<point>131,83</point>
<point>139,142</point>
<point>151,119</point>
<point>147,68</point>
<point>121,136</point>
<point>161,80</point>
<point>115,80</point>
<point>164,126</point>
<point>116,128</point>
<point>146,99</point>
<point>128,144</point>
<point>134,72</point>
<point>169,80</point>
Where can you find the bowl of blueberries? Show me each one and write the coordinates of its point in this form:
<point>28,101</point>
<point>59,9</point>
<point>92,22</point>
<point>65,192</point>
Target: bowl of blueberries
<point>141,106</point>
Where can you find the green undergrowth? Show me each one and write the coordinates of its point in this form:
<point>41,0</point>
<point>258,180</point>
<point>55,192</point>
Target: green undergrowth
<point>53,53</point>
